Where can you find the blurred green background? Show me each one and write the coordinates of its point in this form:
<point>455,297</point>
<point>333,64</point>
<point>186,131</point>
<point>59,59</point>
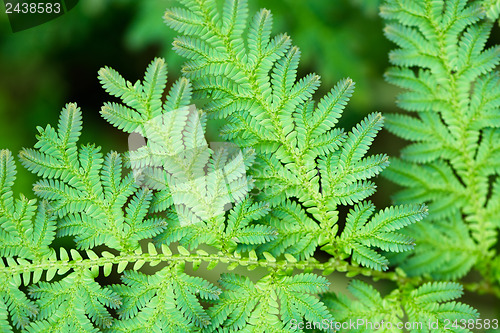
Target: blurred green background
<point>45,67</point>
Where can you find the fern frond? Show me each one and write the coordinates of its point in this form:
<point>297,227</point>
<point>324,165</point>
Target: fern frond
<point>450,77</point>
<point>146,95</point>
<point>426,309</point>
<point>445,250</point>
<point>492,8</point>
<point>26,229</point>
<point>249,307</point>
<point>166,300</point>
<point>369,306</point>
<point>274,106</point>
<point>297,233</point>
<point>176,143</point>
<point>431,302</point>
<point>251,80</point>
<point>360,234</point>
<point>183,190</point>
<point>22,310</point>
<point>76,302</point>
<point>83,187</point>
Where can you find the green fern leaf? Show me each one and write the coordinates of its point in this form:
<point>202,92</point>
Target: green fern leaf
<point>450,78</point>
<point>76,302</point>
<point>85,188</point>
<point>168,294</point>
<point>247,307</point>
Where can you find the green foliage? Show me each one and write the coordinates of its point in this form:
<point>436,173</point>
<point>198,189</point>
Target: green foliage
<point>87,192</point>
<point>175,159</point>
<point>452,87</point>
<point>269,197</point>
<point>72,304</point>
<point>92,199</point>
<point>163,301</point>
<point>338,39</point>
<point>427,308</point>
<point>491,8</point>
<point>359,234</point>
<point>20,235</point>
<point>251,81</point>
<point>250,307</point>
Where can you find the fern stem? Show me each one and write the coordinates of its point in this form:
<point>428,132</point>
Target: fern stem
<point>335,264</point>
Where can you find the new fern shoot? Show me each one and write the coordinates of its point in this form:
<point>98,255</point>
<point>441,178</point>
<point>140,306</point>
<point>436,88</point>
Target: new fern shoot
<point>268,197</point>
